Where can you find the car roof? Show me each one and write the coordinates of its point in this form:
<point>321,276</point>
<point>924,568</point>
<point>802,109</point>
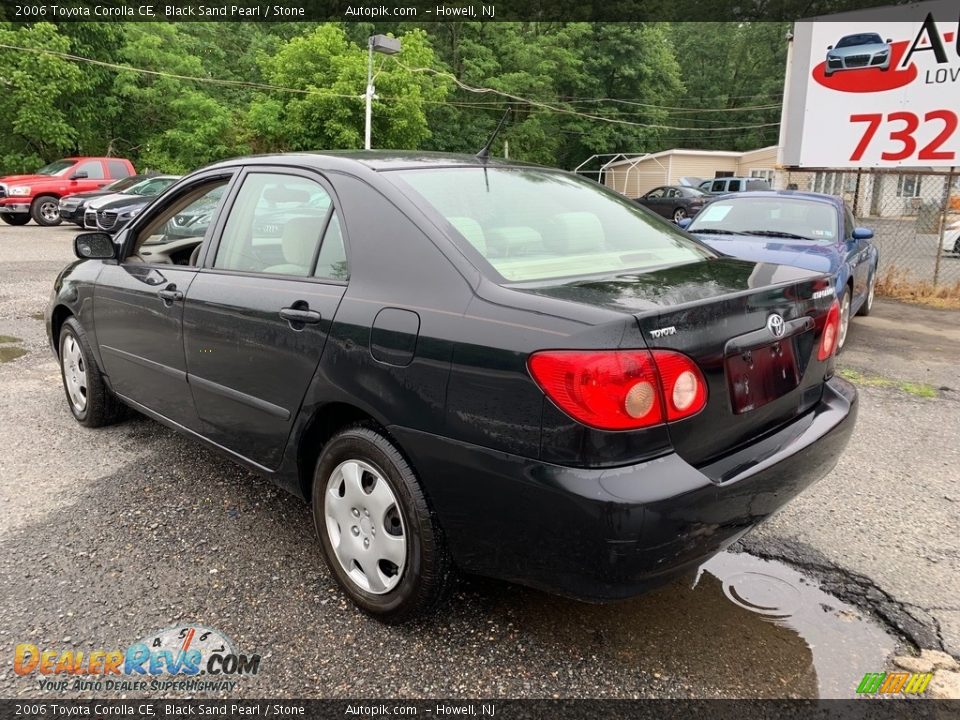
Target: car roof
<point>377,160</point>
<point>796,194</point>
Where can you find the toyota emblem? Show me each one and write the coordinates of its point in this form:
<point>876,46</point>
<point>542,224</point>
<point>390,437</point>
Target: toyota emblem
<point>776,325</point>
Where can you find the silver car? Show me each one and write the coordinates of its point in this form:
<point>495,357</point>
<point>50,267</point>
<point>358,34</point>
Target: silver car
<point>856,52</point>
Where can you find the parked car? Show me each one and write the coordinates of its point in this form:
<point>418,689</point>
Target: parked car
<point>808,230</point>
<point>467,362</point>
<point>724,185</point>
<point>674,202</point>
<point>111,212</point>
<point>951,238</point>
<point>857,52</point>
<point>37,196</point>
<point>72,207</point>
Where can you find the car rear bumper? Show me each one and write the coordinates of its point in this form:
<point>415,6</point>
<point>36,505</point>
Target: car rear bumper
<point>611,533</point>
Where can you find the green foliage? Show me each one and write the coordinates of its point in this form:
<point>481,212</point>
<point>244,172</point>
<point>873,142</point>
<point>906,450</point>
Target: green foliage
<point>642,79</point>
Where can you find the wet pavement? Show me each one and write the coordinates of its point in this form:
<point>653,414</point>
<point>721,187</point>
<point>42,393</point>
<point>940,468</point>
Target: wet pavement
<point>110,535</point>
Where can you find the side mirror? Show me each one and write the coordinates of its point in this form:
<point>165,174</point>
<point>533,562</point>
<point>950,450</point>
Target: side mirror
<point>79,175</point>
<point>94,246</point>
<point>888,41</point>
<point>685,223</point>
<point>862,233</point>
<point>829,47</point>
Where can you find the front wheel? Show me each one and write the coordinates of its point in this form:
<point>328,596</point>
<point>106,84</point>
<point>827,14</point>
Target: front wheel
<point>21,219</point>
<point>867,306</point>
<point>844,319</point>
<point>45,211</point>
<point>380,539</point>
<point>679,214</point>
<point>90,401</point>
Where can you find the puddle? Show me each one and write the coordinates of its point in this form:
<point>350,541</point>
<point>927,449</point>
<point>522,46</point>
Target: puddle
<point>9,339</point>
<point>745,627</point>
<point>11,352</point>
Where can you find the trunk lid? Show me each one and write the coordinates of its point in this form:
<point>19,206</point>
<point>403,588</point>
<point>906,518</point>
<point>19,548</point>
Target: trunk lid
<point>716,312</point>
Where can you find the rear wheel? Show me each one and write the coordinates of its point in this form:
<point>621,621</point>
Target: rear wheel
<point>844,319</point>
<point>21,219</point>
<point>379,537</point>
<point>90,401</point>
<point>679,214</point>
<point>45,211</point>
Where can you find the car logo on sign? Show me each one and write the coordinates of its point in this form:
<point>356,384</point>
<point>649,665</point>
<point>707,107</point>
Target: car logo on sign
<point>776,325</point>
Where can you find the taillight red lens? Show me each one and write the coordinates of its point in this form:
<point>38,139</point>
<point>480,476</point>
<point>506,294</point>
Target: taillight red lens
<point>831,332</point>
<point>620,389</point>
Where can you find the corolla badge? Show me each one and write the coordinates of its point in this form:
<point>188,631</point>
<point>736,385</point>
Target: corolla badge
<point>776,325</point>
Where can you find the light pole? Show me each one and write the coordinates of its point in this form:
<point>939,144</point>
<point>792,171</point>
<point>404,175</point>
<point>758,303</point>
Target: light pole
<point>386,46</point>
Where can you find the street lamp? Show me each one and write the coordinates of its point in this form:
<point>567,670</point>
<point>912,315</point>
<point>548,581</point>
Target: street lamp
<point>386,46</point>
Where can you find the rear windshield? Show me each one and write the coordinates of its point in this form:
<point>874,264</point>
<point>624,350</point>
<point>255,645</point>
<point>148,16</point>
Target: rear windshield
<point>533,224</point>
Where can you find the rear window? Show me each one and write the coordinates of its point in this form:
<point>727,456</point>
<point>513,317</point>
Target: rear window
<point>535,225</point>
<point>803,219</point>
<point>118,168</point>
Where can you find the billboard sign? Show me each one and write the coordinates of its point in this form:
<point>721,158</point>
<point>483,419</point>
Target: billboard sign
<point>874,88</point>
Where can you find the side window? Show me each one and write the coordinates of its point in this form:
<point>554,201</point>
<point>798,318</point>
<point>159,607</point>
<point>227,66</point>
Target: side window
<point>719,185</point>
<point>849,221</point>
<point>332,262</point>
<point>178,230</point>
<point>118,169</point>
<point>734,186</point>
<point>92,168</point>
<point>274,225</point>
<point>655,194</point>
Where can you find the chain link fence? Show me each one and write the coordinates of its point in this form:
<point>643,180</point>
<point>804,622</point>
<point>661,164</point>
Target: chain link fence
<point>915,216</point>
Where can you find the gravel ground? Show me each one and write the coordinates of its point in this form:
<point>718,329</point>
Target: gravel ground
<point>109,535</point>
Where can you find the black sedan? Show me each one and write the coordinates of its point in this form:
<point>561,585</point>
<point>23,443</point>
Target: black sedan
<point>674,201</point>
<point>464,363</point>
<point>72,207</point>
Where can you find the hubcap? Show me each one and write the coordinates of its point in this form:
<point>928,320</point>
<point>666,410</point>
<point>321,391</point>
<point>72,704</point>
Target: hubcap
<point>870,292</point>
<point>74,373</point>
<point>365,527</point>
<point>844,319</point>
<point>49,211</point>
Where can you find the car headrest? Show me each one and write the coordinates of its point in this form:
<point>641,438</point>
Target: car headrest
<point>471,230</point>
<point>300,236</point>
<point>514,240</point>
<point>576,232</point>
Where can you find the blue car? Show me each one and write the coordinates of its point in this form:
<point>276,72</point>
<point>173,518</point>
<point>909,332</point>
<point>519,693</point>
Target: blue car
<point>807,230</point>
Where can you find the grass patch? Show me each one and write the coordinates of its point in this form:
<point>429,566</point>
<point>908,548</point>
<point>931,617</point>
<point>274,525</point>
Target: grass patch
<point>9,339</point>
<point>899,285</point>
<point>916,389</point>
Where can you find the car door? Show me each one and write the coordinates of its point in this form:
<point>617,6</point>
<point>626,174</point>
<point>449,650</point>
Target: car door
<point>88,175</point>
<point>138,310</point>
<point>856,252</point>
<point>258,313</point>
<point>654,200</point>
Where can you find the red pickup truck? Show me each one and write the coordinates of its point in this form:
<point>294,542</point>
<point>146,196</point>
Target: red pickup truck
<point>37,196</point>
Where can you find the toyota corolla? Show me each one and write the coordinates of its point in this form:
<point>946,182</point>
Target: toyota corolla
<point>463,363</point>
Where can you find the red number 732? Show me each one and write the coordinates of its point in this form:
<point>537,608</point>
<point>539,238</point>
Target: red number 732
<point>904,134</point>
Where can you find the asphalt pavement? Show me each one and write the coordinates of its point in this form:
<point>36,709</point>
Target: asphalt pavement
<point>110,535</point>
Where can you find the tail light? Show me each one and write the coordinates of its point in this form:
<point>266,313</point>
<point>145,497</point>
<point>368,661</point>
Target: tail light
<point>831,332</point>
<point>620,389</point>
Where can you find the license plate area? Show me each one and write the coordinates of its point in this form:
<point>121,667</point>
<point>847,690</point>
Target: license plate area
<point>762,374</point>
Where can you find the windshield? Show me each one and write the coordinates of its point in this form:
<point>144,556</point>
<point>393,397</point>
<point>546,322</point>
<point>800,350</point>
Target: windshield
<point>763,217</point>
<point>533,224</point>
<point>862,39</point>
<point>56,168</point>
<point>152,186</point>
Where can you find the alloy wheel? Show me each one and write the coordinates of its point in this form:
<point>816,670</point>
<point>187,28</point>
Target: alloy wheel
<point>365,527</point>
<point>50,211</point>
<point>679,214</point>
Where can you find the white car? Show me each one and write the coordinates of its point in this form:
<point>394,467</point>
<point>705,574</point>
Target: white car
<point>951,238</point>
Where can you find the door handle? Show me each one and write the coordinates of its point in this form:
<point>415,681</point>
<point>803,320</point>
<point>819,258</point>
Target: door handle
<point>300,315</point>
<point>170,294</point>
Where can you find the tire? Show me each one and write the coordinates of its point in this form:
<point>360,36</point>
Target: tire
<point>867,306</point>
<point>45,210</point>
<point>844,320</point>
<point>408,530</point>
<point>679,214</point>
<point>15,219</point>
<point>89,399</point>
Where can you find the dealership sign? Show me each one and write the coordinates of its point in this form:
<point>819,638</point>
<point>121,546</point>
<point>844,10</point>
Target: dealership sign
<point>875,88</point>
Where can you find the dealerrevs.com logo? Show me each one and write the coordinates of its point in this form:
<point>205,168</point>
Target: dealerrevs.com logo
<point>189,658</point>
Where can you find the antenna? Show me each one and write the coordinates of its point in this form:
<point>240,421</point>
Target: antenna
<point>485,151</point>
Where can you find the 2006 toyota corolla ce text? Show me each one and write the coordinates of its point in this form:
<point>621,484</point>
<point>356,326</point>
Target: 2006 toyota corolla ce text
<point>462,362</point>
